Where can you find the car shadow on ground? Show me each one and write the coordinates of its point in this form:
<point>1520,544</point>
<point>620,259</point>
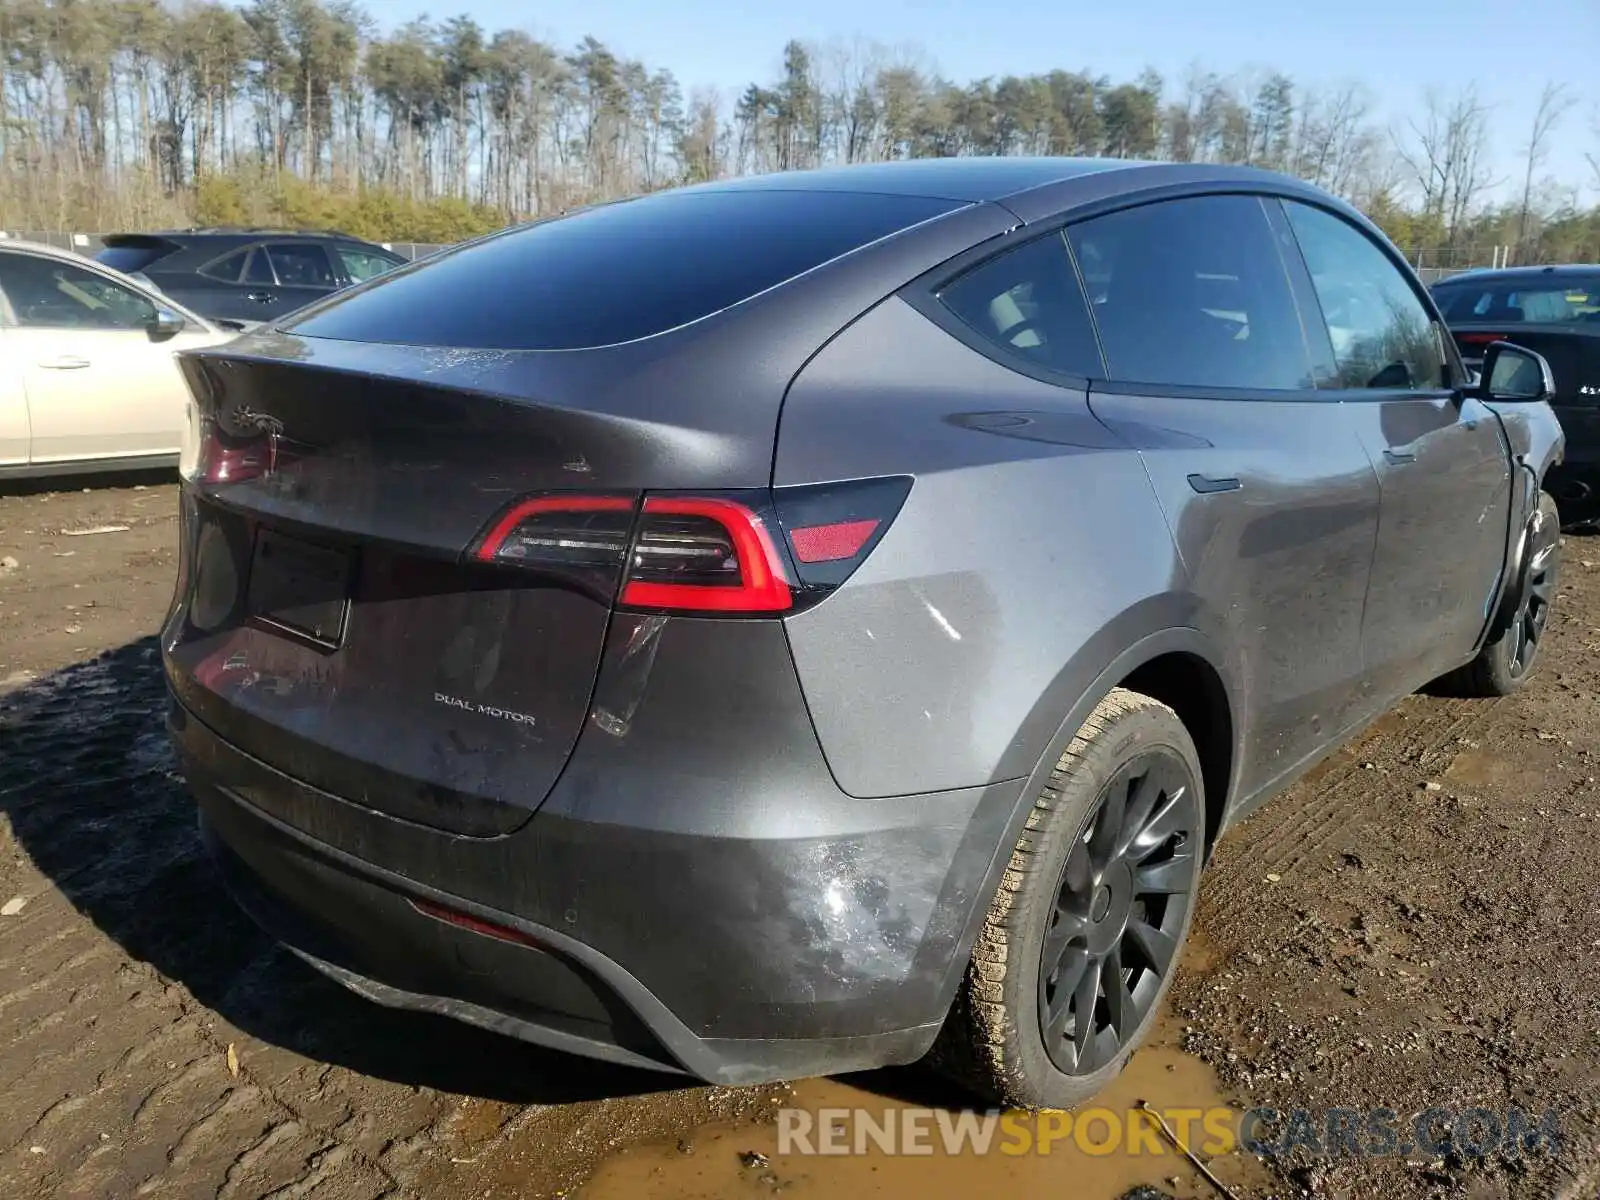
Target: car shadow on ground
<point>95,482</point>
<point>89,787</point>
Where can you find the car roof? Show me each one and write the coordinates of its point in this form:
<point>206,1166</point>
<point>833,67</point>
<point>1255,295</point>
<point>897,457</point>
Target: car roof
<point>1555,271</point>
<point>44,249</point>
<point>977,180</point>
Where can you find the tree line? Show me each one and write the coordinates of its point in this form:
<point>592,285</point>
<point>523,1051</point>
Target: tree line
<point>130,113</point>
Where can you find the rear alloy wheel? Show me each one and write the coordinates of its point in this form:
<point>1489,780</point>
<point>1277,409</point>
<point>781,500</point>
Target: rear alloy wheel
<point>1507,659</point>
<point>1124,901</point>
<point>1083,937</point>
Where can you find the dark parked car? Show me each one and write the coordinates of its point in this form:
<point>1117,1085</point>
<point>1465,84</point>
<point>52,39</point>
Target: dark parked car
<point>791,624</point>
<point>249,275</point>
<point>1555,311</point>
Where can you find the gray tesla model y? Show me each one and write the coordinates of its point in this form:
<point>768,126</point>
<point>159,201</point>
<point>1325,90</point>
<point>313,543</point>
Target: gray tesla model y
<point>793,624</point>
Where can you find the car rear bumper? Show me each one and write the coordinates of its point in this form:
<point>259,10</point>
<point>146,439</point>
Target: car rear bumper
<point>737,959</point>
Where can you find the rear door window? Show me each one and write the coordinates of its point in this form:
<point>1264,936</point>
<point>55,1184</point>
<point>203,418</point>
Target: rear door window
<point>1193,292</point>
<point>617,272</point>
<point>1027,303</point>
<point>300,264</point>
<point>1382,334</point>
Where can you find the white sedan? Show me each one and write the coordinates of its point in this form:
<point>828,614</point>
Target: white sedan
<point>88,381</point>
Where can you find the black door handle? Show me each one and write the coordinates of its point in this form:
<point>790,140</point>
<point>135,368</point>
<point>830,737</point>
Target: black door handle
<point>1206,484</point>
<point>259,297</point>
<point>1399,458</point>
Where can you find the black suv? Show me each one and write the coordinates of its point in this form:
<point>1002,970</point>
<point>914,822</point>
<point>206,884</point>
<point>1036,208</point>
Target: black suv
<point>1554,311</point>
<point>249,275</point>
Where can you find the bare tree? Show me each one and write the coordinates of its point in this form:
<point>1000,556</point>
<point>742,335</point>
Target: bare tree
<point>1554,101</point>
<point>134,113</point>
<point>1592,159</point>
<point>1447,154</point>
<point>1333,143</point>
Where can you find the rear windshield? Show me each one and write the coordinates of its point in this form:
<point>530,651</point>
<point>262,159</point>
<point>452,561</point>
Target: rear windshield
<point>1551,302</point>
<point>616,272</point>
<point>132,258</point>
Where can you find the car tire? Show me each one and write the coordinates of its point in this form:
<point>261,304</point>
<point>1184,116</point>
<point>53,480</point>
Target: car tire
<point>1063,890</point>
<point>1507,660</point>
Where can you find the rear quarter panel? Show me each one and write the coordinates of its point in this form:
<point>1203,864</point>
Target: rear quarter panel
<point>1029,554</point>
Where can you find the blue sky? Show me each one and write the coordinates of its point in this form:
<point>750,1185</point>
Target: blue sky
<point>1397,47</point>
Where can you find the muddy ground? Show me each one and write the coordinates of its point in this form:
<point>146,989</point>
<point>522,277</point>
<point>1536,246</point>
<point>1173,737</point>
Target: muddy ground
<point>1417,924</point>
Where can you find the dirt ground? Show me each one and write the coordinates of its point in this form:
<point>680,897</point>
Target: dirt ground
<point>1417,924</point>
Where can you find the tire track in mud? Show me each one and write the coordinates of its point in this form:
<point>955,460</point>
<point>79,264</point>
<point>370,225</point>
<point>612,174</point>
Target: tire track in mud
<point>1398,753</point>
<point>90,795</point>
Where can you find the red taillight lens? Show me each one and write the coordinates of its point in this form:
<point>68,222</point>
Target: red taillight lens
<point>463,920</point>
<point>1479,339</point>
<point>571,530</point>
<point>582,540</point>
<point>750,552</point>
<point>705,554</point>
<point>208,457</point>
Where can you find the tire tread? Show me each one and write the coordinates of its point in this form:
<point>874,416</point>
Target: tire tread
<point>978,1045</point>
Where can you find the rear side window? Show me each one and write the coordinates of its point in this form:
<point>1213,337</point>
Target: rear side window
<point>135,257</point>
<point>616,272</point>
<point>362,265</point>
<point>1028,303</point>
<point>1382,335</point>
<point>299,265</point>
<point>1193,292</point>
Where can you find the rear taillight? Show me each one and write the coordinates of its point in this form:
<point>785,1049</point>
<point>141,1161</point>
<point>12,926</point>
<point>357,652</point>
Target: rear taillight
<point>750,553</point>
<point>206,456</point>
<point>705,554</point>
<point>1479,339</point>
<point>580,539</point>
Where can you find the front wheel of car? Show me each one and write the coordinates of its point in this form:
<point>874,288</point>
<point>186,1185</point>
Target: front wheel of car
<point>1508,658</point>
<point>1082,939</point>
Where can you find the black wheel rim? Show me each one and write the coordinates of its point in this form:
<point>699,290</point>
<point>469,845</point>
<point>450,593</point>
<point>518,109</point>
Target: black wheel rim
<point>1120,912</point>
<point>1538,593</point>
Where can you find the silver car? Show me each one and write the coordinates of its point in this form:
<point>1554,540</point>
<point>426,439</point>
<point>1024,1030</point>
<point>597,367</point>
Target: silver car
<point>88,377</point>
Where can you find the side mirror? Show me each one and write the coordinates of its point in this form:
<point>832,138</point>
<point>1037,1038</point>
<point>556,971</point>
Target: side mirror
<point>1515,373</point>
<point>166,324</point>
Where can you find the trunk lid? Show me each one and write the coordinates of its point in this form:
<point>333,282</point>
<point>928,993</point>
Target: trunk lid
<point>329,621</point>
